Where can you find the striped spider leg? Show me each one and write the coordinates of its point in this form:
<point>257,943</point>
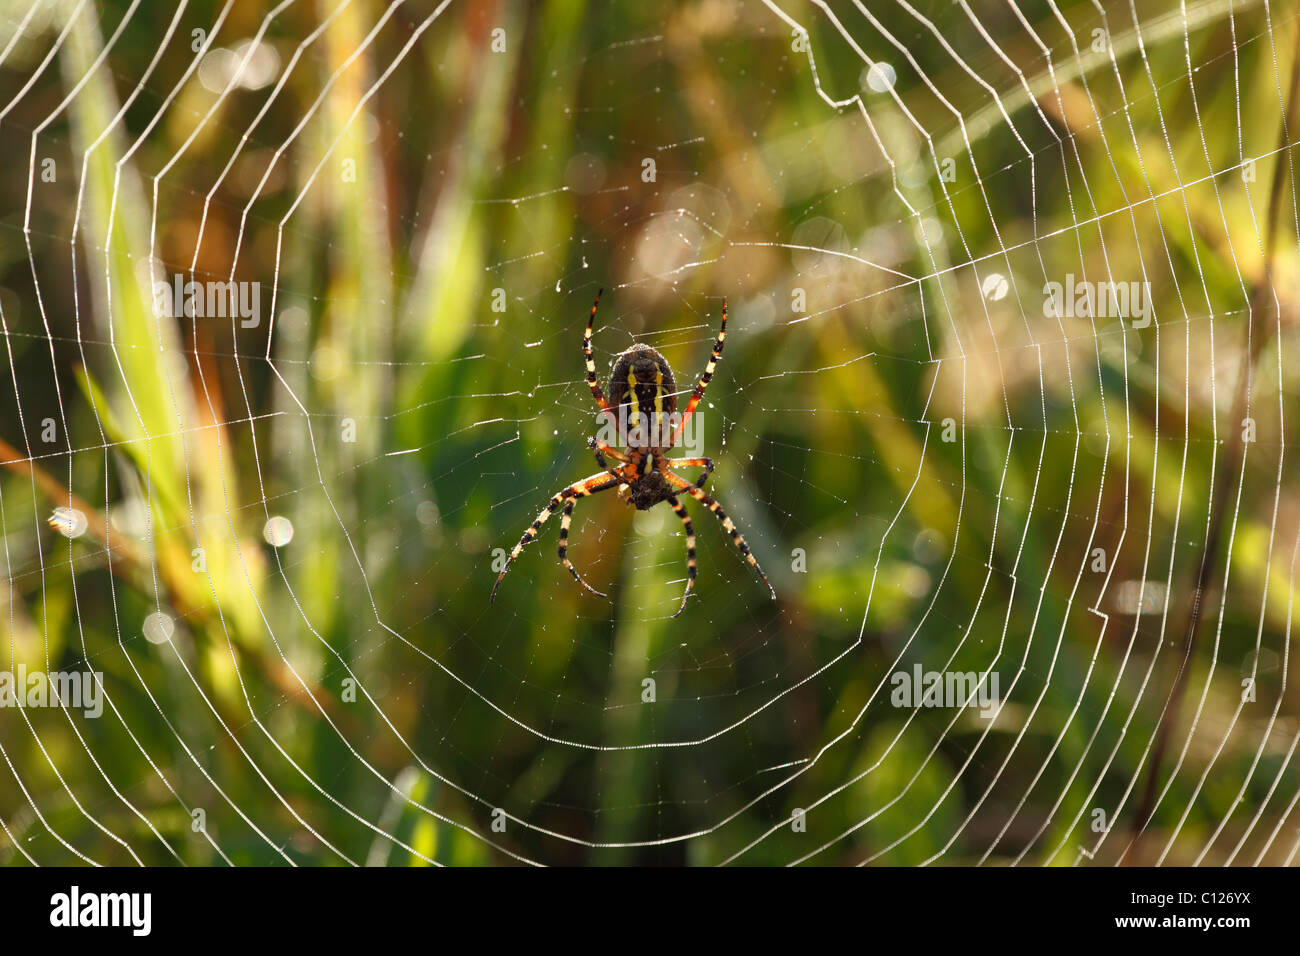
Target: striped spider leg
<point>705,378</point>
<point>682,485</point>
<point>593,484</point>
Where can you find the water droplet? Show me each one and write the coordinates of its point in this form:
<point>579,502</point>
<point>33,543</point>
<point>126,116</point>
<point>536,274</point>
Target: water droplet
<point>159,628</point>
<point>994,286</point>
<point>278,531</point>
<point>69,522</point>
<point>880,77</point>
<point>426,512</point>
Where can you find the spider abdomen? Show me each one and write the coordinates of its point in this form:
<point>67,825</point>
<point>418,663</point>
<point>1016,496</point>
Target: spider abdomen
<point>643,393</point>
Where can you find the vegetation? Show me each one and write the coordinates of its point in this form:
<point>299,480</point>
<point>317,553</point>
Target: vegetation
<point>932,469</point>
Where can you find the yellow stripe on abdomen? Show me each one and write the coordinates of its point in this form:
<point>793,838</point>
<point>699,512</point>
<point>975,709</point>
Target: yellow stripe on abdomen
<point>659,407</point>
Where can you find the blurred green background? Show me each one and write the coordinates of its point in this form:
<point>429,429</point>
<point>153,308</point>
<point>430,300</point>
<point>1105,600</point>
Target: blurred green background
<point>931,469</point>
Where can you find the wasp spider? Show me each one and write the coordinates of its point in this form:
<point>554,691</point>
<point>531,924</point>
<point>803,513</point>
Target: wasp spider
<point>641,387</point>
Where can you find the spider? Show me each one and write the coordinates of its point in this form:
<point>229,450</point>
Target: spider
<point>641,385</point>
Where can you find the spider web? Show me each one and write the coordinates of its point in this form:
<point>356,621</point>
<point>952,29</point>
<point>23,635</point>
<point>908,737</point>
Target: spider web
<point>270,537</point>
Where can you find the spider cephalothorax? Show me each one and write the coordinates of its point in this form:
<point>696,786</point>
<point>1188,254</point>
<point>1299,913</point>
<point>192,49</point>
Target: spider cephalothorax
<point>642,408</point>
<point>649,490</point>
